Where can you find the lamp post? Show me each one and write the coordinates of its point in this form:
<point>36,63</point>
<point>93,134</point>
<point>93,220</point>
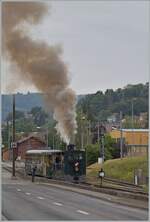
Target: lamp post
<point>46,130</point>
<point>13,144</point>
<point>53,141</point>
<point>132,121</point>
<point>82,133</point>
<point>102,148</point>
<point>98,134</point>
<point>121,142</point>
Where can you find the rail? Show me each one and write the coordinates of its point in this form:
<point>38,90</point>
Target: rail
<point>134,194</point>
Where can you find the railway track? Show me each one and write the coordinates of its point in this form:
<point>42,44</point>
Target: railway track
<point>120,188</point>
<point>117,191</point>
<point>120,182</point>
<point>126,186</point>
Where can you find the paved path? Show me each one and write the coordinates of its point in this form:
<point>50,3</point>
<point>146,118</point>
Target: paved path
<point>23,200</point>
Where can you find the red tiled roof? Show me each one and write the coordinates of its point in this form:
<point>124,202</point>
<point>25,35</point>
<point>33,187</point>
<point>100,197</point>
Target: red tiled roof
<point>29,137</point>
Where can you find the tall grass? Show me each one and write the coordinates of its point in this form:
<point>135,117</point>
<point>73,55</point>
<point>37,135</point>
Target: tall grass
<point>121,169</point>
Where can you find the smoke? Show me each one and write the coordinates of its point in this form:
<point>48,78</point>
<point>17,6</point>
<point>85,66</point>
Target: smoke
<point>39,63</point>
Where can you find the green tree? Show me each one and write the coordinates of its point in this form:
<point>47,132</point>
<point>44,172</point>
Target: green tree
<point>18,115</point>
<point>93,150</point>
<point>39,115</point>
<point>25,125</point>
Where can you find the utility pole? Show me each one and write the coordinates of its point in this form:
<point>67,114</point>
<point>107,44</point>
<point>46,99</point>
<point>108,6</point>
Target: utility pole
<point>121,153</point>
<point>102,147</point>
<point>98,137</point>
<point>47,137</point>
<point>132,127</point>
<point>14,139</point>
<point>82,132</point>
<point>53,141</point>
<point>82,138</point>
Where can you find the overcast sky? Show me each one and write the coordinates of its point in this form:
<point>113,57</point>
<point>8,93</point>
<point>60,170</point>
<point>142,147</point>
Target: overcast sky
<point>105,43</point>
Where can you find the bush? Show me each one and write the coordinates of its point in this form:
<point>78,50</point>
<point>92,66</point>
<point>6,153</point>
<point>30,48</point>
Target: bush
<point>93,150</point>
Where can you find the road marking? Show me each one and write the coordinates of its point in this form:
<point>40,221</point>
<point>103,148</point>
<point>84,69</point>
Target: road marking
<point>41,198</point>
<point>82,212</point>
<point>18,189</point>
<point>28,193</point>
<point>58,204</point>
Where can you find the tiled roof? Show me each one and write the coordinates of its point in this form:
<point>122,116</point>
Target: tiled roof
<point>29,137</point>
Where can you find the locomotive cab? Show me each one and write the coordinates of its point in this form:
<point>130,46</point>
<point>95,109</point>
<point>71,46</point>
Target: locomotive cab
<point>74,164</point>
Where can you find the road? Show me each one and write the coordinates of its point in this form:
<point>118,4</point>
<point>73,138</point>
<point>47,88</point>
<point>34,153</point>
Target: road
<point>23,200</point>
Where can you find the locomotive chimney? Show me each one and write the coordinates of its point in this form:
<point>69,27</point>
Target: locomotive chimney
<point>71,147</point>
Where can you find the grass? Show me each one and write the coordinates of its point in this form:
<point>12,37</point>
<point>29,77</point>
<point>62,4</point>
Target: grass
<point>120,169</point>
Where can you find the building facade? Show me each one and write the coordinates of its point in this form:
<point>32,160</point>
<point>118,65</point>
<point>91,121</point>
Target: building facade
<point>27,143</point>
<point>136,140</point>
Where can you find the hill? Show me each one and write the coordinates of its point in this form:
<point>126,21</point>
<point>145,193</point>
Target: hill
<point>24,102</point>
<point>97,107</point>
<point>100,106</point>
<point>120,169</point>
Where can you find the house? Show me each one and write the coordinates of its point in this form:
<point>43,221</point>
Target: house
<point>136,140</point>
<point>27,143</point>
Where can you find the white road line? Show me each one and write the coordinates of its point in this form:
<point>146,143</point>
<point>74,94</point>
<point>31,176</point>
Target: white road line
<point>18,189</point>
<point>82,212</point>
<point>28,193</point>
<point>58,204</point>
<point>41,198</point>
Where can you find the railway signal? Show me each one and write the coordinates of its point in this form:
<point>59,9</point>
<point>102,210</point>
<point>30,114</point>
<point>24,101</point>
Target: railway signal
<point>101,175</point>
<point>76,166</point>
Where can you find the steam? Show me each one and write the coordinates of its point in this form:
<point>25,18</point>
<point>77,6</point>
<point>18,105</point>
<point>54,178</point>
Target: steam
<point>38,62</point>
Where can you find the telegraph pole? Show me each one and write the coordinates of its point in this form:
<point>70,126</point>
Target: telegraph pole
<point>98,136</point>
<point>102,147</point>
<point>132,126</point>
<point>47,137</point>
<point>13,145</point>
<point>82,132</point>
<point>121,136</point>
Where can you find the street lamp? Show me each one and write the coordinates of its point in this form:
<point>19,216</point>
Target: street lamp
<point>102,148</point>
<point>82,134</point>
<point>46,130</point>
<point>14,138</point>
<point>121,142</point>
<point>132,112</point>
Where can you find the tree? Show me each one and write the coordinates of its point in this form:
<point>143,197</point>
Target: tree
<point>39,115</point>
<point>100,106</point>
<point>25,125</point>
<point>18,115</point>
<point>93,150</point>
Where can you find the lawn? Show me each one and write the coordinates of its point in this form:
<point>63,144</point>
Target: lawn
<point>120,169</point>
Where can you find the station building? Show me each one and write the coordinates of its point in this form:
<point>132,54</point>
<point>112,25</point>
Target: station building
<point>22,145</point>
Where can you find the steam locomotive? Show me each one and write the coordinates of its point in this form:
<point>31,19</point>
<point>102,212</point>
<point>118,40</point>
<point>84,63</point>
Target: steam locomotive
<point>68,165</point>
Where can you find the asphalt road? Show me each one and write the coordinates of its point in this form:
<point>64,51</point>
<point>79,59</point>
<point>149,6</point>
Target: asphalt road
<point>23,200</point>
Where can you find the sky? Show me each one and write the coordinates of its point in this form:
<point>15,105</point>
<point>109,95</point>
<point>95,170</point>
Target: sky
<point>105,43</point>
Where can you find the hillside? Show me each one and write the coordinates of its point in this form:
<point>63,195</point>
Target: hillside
<point>24,102</point>
<point>120,169</point>
<point>100,106</point>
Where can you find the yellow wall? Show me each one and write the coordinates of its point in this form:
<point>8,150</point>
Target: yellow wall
<point>136,138</point>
